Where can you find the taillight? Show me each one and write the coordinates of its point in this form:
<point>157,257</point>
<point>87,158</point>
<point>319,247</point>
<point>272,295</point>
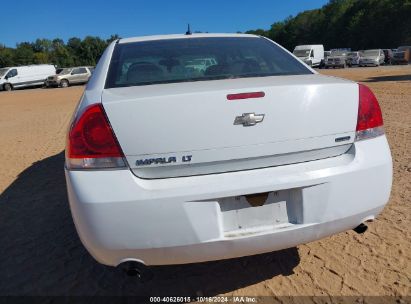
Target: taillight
<point>91,143</point>
<point>369,121</point>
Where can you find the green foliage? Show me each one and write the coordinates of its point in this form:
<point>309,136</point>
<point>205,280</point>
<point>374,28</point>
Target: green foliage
<point>358,24</point>
<point>23,54</point>
<point>91,49</point>
<point>75,52</point>
<point>6,56</point>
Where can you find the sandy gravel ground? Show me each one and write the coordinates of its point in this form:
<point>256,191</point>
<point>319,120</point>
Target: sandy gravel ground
<point>40,253</point>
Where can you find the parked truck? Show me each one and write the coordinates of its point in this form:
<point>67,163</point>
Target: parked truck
<point>374,57</point>
<point>402,55</point>
<point>311,55</point>
<point>337,58</point>
<point>353,58</point>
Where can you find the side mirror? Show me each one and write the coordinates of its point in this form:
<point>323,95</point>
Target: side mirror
<point>6,77</point>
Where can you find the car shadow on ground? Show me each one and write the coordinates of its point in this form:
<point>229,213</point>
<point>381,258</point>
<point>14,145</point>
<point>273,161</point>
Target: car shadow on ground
<point>41,254</point>
<point>388,78</point>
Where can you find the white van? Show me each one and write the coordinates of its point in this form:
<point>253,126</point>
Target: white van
<point>312,54</point>
<point>24,76</point>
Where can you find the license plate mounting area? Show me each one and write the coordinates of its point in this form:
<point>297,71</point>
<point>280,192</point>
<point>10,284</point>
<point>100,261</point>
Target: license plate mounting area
<point>249,214</point>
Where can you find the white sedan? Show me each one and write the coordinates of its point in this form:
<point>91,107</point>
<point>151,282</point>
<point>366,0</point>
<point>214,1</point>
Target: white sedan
<point>166,164</point>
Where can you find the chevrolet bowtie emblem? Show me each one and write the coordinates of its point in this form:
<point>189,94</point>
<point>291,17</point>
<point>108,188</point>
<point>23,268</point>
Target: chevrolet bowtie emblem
<point>248,119</point>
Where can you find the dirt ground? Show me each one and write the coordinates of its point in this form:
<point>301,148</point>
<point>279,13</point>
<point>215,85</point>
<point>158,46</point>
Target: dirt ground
<point>40,253</point>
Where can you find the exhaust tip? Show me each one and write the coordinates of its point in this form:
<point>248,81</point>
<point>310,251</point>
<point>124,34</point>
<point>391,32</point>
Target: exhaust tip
<point>361,228</point>
<point>133,272</point>
<point>137,270</point>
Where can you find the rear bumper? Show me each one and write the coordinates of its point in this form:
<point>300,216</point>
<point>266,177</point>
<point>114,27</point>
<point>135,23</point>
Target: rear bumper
<point>399,61</point>
<point>368,63</point>
<point>353,62</point>
<point>335,64</point>
<point>52,83</point>
<point>120,217</point>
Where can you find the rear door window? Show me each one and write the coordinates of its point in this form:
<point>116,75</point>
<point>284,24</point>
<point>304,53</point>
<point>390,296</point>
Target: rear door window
<point>82,71</point>
<point>78,71</point>
<point>75,71</point>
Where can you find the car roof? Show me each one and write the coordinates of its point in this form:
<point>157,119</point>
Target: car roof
<point>181,36</point>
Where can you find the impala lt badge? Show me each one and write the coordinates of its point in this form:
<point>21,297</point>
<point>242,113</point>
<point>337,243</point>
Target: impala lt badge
<point>163,160</point>
<point>248,119</point>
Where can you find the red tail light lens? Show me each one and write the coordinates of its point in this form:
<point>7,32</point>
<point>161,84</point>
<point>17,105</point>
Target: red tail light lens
<point>369,121</point>
<point>91,137</point>
<point>369,112</point>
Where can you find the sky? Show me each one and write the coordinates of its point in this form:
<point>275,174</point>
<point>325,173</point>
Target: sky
<point>27,20</point>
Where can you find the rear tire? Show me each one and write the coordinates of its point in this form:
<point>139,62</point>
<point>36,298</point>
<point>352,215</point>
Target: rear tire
<point>7,87</point>
<point>64,83</point>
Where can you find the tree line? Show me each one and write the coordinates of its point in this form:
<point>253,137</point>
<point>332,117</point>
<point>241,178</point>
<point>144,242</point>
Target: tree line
<point>75,52</point>
<point>357,24</point>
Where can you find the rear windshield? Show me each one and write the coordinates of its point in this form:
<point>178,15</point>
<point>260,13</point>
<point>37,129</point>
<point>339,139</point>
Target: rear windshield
<point>371,53</point>
<point>197,59</point>
<point>338,53</point>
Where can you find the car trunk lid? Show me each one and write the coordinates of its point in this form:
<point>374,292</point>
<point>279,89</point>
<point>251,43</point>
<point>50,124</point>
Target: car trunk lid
<point>184,129</point>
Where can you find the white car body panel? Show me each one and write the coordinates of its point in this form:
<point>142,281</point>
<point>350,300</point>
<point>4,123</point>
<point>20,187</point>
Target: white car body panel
<point>180,36</point>
<point>200,111</point>
<point>317,185</point>
<point>121,217</point>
